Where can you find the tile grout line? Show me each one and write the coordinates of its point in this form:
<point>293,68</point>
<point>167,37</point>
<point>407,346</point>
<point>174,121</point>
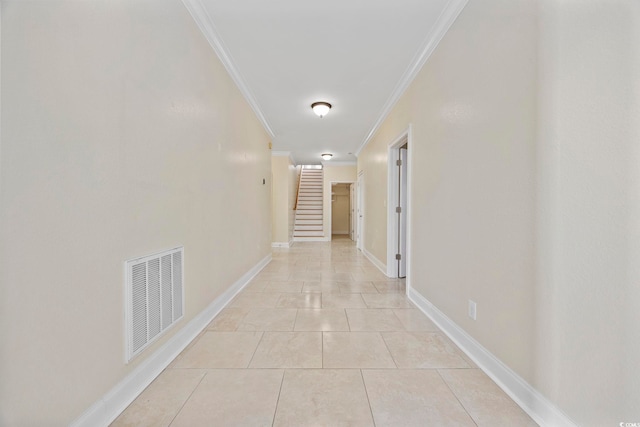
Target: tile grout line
<point>275,411</point>
<point>404,328</point>
<point>366,392</point>
<point>389,350</point>
<point>255,350</point>
<point>293,329</point>
<point>187,399</point>
<point>456,396</point>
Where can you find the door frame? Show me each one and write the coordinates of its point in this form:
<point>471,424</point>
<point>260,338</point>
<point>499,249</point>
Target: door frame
<point>330,213</point>
<point>360,211</point>
<point>392,201</point>
<point>353,214</point>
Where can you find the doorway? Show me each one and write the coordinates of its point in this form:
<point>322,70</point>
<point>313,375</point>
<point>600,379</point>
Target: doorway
<point>341,209</point>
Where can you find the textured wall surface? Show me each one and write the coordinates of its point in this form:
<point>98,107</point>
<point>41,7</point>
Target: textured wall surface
<point>122,135</point>
<point>525,125</point>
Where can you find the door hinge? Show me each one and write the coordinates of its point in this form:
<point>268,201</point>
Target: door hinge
<point>398,209</point>
<point>398,257</point>
<point>399,162</point>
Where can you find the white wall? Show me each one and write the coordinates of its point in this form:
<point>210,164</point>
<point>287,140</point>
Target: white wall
<point>588,214</point>
<point>473,197</point>
<point>279,199</point>
<point>525,193</point>
<point>122,135</point>
<point>283,198</point>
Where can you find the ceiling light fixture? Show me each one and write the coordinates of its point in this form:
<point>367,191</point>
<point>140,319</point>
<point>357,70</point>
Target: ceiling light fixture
<point>321,108</point>
<point>326,156</point>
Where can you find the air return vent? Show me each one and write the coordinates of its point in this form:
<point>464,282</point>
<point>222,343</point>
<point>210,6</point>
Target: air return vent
<point>154,297</point>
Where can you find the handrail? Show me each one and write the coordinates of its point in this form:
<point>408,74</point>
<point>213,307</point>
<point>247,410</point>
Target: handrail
<point>295,205</point>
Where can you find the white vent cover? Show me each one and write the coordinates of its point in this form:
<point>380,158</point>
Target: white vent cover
<point>154,295</point>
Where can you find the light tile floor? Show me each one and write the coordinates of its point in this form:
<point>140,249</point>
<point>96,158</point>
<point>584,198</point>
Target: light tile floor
<point>322,338</point>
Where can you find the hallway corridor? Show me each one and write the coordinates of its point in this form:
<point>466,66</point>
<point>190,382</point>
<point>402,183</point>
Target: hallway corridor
<point>321,337</point>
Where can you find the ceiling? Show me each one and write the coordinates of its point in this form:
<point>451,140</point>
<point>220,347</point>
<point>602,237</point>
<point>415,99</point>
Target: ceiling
<point>358,55</point>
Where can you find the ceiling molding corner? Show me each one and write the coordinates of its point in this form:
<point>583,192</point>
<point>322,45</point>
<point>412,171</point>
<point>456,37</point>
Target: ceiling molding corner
<point>448,16</point>
<point>205,24</point>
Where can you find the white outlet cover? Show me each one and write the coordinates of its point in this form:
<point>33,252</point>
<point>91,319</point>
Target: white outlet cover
<point>472,309</point>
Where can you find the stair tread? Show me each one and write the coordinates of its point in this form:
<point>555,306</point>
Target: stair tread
<point>309,216</point>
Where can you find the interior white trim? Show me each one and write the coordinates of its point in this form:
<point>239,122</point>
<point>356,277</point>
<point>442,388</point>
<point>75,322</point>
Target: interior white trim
<point>543,412</point>
<point>280,244</point>
<point>199,13</point>
<point>116,400</point>
<point>375,261</point>
<point>360,211</point>
<point>444,22</point>
<point>392,197</point>
<point>312,239</point>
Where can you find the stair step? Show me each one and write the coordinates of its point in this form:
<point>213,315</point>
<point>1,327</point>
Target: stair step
<point>308,228</point>
<point>310,210</point>
<point>308,234</point>
<point>308,222</point>
<point>308,217</point>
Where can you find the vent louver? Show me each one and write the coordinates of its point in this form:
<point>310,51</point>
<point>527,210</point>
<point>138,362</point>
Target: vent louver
<point>154,297</point>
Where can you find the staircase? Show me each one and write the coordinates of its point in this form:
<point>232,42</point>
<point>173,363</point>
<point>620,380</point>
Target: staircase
<point>308,224</point>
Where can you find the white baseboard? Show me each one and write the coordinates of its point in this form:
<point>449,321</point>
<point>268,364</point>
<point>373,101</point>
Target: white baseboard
<point>375,261</point>
<point>107,409</point>
<point>543,411</point>
<point>280,244</point>
<point>312,239</point>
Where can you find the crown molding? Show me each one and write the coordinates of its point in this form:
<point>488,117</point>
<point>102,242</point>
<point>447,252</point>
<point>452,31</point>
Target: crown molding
<point>444,22</point>
<point>205,24</point>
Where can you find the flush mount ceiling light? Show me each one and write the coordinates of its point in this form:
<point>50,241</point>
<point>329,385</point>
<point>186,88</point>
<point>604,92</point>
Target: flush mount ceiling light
<point>326,156</point>
<point>321,108</point>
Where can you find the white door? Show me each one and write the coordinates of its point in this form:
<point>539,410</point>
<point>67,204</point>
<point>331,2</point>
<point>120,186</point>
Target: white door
<point>402,214</point>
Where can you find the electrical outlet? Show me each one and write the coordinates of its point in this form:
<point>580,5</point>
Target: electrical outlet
<point>472,309</point>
